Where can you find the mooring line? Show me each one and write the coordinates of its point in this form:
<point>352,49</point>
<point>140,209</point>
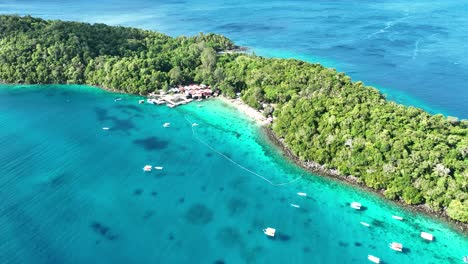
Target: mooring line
<point>234,162</point>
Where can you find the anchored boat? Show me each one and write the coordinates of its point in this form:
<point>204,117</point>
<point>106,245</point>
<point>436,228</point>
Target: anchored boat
<point>147,168</point>
<point>167,125</point>
<point>269,231</point>
<point>397,217</point>
<point>356,205</point>
<point>427,236</point>
<point>396,246</point>
<point>373,259</point>
<point>302,194</point>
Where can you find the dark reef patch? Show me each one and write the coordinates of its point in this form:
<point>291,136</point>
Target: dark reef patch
<point>198,214</point>
<point>103,231</point>
<point>148,214</point>
<point>137,192</point>
<point>343,244</point>
<point>236,206</point>
<point>219,261</point>
<point>129,107</point>
<point>357,244</point>
<point>229,236</point>
<point>151,143</point>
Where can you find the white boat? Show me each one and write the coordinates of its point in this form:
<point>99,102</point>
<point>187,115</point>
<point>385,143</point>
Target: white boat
<point>373,259</point>
<point>117,99</point>
<point>427,236</point>
<point>365,224</point>
<point>105,128</point>
<point>141,101</point>
<point>465,259</point>
<point>269,231</point>
<point>356,205</point>
<point>397,217</point>
<point>158,168</point>
<point>302,194</point>
<point>295,205</point>
<point>396,246</point>
<point>147,168</point>
<point>167,125</point>
<point>194,124</point>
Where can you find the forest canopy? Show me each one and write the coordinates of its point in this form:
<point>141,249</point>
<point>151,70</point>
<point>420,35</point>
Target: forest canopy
<point>322,115</point>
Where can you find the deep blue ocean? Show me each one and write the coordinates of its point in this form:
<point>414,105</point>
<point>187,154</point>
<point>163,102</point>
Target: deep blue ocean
<point>71,192</point>
<point>413,51</point>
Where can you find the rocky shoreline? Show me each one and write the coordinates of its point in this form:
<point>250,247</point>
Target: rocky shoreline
<point>354,181</point>
<point>319,169</point>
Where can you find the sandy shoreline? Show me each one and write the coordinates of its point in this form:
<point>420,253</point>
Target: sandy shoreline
<point>247,110</point>
<point>334,174</point>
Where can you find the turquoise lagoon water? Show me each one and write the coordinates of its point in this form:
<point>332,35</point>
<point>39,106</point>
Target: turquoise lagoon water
<point>71,192</point>
<point>414,51</point>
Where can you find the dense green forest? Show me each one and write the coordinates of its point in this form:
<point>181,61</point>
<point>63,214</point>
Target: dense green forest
<point>321,114</point>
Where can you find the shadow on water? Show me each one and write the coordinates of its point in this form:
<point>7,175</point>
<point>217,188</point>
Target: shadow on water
<point>151,143</point>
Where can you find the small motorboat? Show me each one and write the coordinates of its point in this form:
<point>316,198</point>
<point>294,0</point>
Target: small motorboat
<point>356,205</point>
<point>427,236</point>
<point>141,101</point>
<point>158,168</point>
<point>295,205</point>
<point>105,128</point>
<point>465,259</point>
<point>194,124</point>
<point>373,259</point>
<point>397,217</point>
<point>396,246</point>
<point>147,168</point>
<point>365,224</point>
<point>269,231</point>
<point>167,125</point>
<point>302,194</point>
<point>117,99</point>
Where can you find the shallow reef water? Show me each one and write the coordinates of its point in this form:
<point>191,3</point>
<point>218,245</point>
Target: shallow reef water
<point>72,192</point>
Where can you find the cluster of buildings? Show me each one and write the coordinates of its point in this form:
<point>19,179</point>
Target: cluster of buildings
<point>195,91</point>
<point>181,95</point>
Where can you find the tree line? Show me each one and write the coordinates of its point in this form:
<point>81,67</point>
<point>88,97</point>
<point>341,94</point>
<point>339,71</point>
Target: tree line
<point>321,114</point>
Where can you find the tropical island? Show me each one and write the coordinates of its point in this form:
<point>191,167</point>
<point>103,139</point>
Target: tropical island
<point>325,119</point>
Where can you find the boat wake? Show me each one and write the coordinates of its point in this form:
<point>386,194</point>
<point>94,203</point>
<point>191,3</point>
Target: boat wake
<point>194,133</point>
